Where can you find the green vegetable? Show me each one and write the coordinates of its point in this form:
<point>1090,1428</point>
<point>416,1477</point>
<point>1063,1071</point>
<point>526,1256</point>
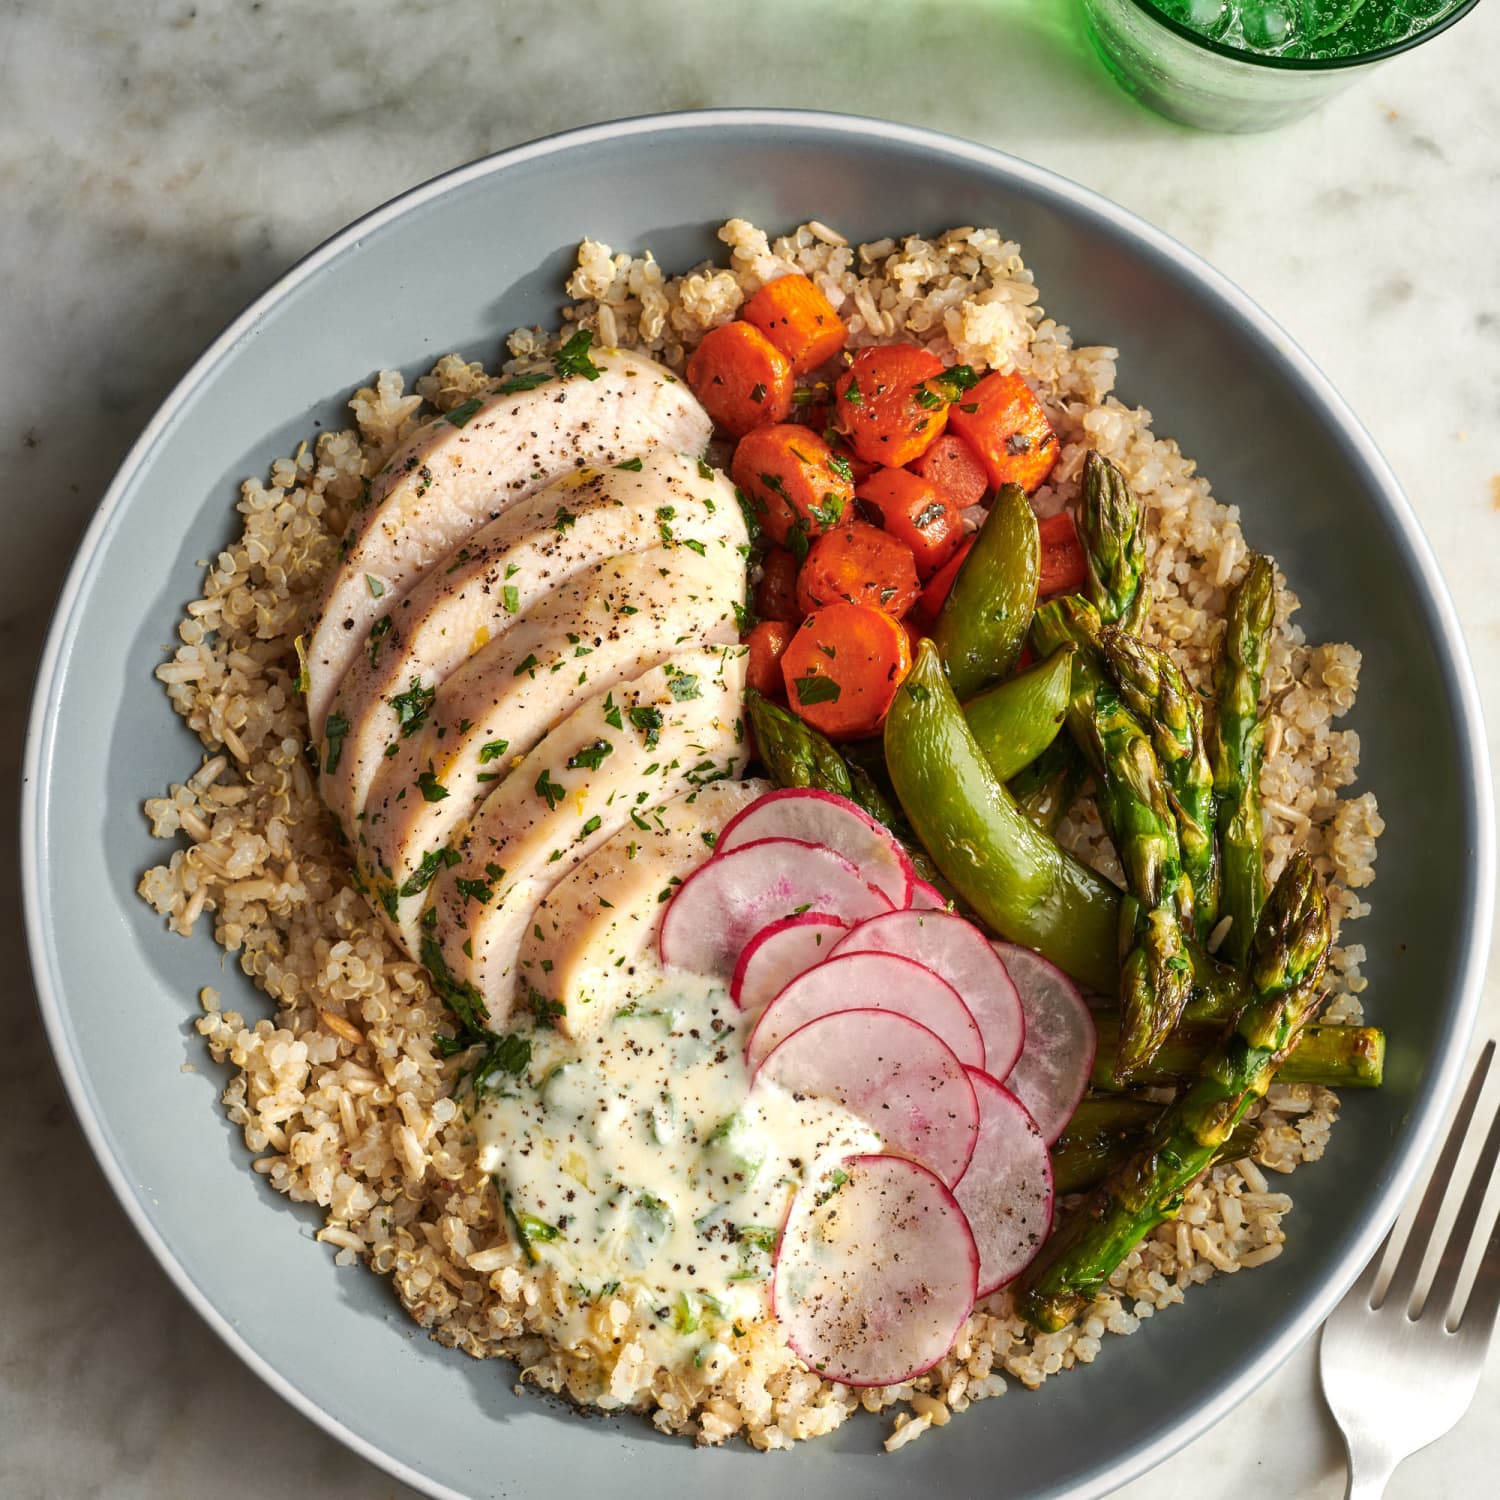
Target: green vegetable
<point>1104,1133</point>
<point>1287,960</point>
<point>530,1230</point>
<point>1238,749</point>
<point>1015,721</point>
<point>736,1149</point>
<point>413,706</point>
<point>1114,544</point>
<point>1050,785</point>
<point>334,733</point>
<point>573,357</point>
<point>983,623</point>
<point>1016,878</point>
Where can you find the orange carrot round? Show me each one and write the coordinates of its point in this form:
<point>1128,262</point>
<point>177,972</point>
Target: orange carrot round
<point>859,564</point>
<point>743,380</point>
<point>954,468</point>
<point>776,593</point>
<point>794,482</point>
<point>844,667</point>
<point>935,595</point>
<point>885,406</point>
<point>916,513</point>
<point>799,320</point>
<point>1064,568</point>
<point>1004,423</point>
<point>768,643</point>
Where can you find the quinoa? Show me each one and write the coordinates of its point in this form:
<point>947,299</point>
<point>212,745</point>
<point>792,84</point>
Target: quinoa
<point>341,1091</point>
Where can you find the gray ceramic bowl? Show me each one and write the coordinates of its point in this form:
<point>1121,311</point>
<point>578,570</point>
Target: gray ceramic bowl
<point>456,264</point>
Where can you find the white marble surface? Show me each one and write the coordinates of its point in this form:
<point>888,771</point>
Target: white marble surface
<point>161,163</point>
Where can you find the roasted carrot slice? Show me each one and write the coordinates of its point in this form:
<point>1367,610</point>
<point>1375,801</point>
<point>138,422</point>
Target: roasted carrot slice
<point>799,320</point>
<point>794,482</point>
<point>1064,568</point>
<point>885,406</point>
<point>768,643</point>
<point>954,468</point>
<point>859,564</point>
<point>741,377</point>
<point>916,513</point>
<point>935,595</point>
<point>776,593</point>
<point>844,667</point>
<point>1004,423</point>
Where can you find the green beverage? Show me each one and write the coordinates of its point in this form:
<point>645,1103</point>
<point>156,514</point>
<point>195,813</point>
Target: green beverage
<point>1250,64</point>
<point>1314,29</point>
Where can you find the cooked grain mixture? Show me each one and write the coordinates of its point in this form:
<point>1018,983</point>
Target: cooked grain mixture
<point>340,1089</point>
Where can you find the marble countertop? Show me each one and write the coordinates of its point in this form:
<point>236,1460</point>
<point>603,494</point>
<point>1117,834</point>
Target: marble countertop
<point>161,164</point>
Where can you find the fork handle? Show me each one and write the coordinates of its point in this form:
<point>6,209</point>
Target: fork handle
<point>1370,1471</point>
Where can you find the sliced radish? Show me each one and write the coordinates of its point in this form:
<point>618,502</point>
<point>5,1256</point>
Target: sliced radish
<point>777,954</point>
<point>724,903</point>
<point>1006,1194</point>
<point>835,822</point>
<point>1053,1070</point>
<point>874,1278</point>
<point>955,950</point>
<point>926,897</point>
<point>900,1078</point>
<point>869,981</point>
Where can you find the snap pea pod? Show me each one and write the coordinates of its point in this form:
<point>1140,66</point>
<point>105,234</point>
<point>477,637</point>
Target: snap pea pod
<point>1015,721</point>
<point>1018,880</point>
<point>1104,1133</point>
<point>1070,618</point>
<point>982,626</point>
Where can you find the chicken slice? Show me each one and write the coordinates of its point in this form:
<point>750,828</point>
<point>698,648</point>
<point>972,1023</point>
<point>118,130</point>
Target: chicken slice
<point>592,943</point>
<point>464,468</point>
<point>490,582</point>
<point>606,626</point>
<point>673,728</point>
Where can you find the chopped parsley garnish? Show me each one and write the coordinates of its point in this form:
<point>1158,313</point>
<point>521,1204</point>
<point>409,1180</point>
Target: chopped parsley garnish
<point>547,788</point>
<point>375,586</point>
<point>573,357</point>
<point>592,826</point>
<point>431,788</point>
<point>426,872</point>
<point>852,394</point>
<point>685,686</point>
<point>510,597</point>
<point>591,757</point>
<point>564,519</point>
<point>528,666</point>
<point>378,631</point>
<point>694,545</point>
<point>492,750</point>
<point>413,706</point>
<point>633,464</point>
<point>612,713</point>
<point>705,469</point>
<point>460,415</point>
<point>527,382</point>
<point>475,890</point>
<point>649,721</point>
<point>815,688</point>
<point>830,512</point>
<point>839,465</point>
<point>334,731</point>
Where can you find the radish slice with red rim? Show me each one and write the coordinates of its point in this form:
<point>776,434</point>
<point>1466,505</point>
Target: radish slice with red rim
<point>724,903</point>
<point>926,897</point>
<point>818,817</point>
<point>1006,1194</point>
<point>955,950</point>
<point>869,981</point>
<point>875,1272</point>
<point>900,1078</point>
<point>777,954</point>
<point>1054,1067</point>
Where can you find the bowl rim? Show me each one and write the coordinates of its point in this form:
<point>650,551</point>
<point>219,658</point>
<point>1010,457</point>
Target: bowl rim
<point>1441,1082</point>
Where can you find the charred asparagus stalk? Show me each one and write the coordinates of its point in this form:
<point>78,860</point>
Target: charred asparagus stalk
<point>1103,1133</point>
<point>1238,750</point>
<point>1114,542</point>
<point>1287,960</point>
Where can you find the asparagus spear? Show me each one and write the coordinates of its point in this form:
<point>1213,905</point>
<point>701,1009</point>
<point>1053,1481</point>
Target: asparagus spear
<point>1067,619</point>
<point>1238,747</point>
<point>1287,959</point>
<point>1338,1057</point>
<point>1153,686</point>
<point>1114,542</point>
<point>1103,1133</point>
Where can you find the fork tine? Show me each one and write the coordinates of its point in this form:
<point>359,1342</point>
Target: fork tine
<point>1463,1233</point>
<point>1404,1279</point>
<point>1478,1316</point>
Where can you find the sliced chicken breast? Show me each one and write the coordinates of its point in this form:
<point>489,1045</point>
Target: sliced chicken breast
<point>673,728</point>
<point>463,469</point>
<point>488,584</point>
<point>592,942</point>
<point>604,627</point>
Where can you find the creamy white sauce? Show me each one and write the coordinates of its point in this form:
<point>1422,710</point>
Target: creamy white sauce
<point>639,1159</point>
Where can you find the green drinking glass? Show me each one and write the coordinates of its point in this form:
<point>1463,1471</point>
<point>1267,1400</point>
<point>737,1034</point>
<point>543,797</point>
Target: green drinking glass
<point>1244,65</point>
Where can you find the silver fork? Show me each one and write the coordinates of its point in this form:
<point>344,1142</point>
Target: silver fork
<point>1400,1369</point>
